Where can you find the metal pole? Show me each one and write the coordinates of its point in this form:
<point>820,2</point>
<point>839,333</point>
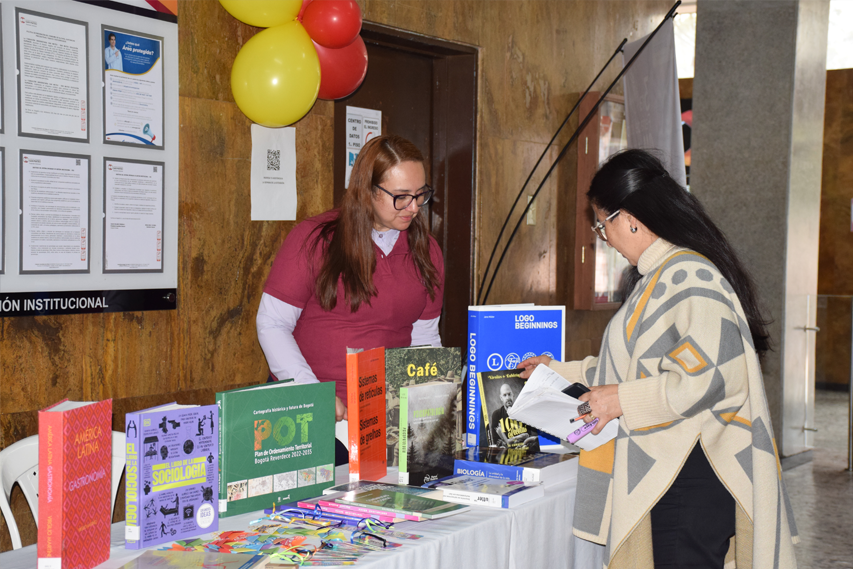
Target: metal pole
<point>850,391</point>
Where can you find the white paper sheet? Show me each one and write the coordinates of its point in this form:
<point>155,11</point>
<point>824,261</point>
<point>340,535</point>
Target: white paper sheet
<point>273,173</point>
<point>133,216</point>
<point>53,77</point>
<point>55,213</point>
<point>543,405</point>
<point>362,125</point>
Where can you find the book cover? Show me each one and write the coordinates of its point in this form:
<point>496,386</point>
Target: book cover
<point>412,366</point>
<point>276,444</point>
<point>479,491</point>
<point>428,441</point>
<point>402,503</point>
<point>172,559</point>
<point>75,488</point>
<point>515,464</point>
<point>371,485</point>
<point>498,391</point>
<point>366,411</point>
<point>327,504</point>
<point>172,473</point>
<point>500,337</point>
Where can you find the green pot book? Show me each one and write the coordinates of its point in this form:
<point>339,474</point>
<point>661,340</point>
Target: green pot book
<point>276,444</point>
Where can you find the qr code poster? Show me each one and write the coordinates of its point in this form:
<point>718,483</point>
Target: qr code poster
<point>362,125</point>
<point>273,173</point>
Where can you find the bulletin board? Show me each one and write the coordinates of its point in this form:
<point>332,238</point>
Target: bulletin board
<point>88,157</point>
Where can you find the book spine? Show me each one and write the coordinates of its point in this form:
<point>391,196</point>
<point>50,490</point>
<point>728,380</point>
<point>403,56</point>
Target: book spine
<point>223,480</point>
<point>403,473</point>
<point>485,425</point>
<point>51,489</point>
<point>474,498</point>
<point>133,469</point>
<point>487,470</point>
<point>370,511</point>
<point>472,399</point>
<point>353,421</point>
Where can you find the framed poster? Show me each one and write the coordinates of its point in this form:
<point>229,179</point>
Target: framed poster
<point>132,73</point>
<point>55,197</point>
<point>133,216</point>
<point>53,76</point>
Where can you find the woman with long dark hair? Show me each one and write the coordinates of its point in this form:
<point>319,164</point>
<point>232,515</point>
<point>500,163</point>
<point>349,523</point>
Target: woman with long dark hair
<point>695,461</point>
<point>368,274</point>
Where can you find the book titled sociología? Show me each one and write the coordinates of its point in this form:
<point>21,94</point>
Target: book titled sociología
<point>75,488</point>
<point>276,444</point>
<point>172,473</point>
<point>366,410</point>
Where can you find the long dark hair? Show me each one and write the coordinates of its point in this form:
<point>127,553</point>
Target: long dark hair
<point>635,181</point>
<point>348,245</point>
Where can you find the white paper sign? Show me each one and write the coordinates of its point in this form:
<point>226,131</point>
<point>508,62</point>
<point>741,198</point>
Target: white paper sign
<point>362,125</point>
<point>273,173</point>
<point>55,213</point>
<point>53,77</point>
<point>133,216</point>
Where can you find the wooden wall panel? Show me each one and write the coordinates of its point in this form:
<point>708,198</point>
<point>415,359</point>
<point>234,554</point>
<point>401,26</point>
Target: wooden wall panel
<point>534,57</point>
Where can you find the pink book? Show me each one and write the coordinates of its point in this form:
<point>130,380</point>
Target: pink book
<point>334,509</point>
<point>75,488</point>
<point>363,510</point>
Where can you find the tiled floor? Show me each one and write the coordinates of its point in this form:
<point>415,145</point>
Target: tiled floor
<point>822,490</point>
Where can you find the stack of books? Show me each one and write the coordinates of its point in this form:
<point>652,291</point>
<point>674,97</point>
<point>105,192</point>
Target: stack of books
<point>515,464</point>
<point>480,491</point>
<point>387,502</point>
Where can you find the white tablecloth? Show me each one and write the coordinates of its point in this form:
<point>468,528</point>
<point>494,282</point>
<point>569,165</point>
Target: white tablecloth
<point>535,534</point>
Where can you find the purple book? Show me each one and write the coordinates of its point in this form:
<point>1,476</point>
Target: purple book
<point>172,474</point>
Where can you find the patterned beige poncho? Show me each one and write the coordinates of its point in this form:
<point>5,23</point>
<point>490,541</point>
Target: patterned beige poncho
<point>681,352</point>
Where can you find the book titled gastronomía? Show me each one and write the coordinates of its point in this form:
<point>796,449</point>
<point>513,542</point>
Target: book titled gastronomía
<point>172,473</point>
<point>276,444</point>
<point>366,411</point>
<point>75,490</point>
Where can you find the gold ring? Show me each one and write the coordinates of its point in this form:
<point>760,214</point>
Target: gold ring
<point>592,417</point>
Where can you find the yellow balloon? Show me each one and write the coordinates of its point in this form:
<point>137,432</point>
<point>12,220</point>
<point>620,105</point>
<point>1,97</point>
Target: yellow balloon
<point>263,13</point>
<point>276,76</point>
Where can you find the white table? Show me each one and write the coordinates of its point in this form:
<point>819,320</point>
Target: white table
<point>535,534</point>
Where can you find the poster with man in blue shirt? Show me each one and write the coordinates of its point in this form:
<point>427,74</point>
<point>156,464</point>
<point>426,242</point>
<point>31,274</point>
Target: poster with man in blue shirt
<point>133,88</point>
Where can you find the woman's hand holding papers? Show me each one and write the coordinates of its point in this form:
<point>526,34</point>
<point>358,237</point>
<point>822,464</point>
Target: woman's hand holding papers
<point>530,364</point>
<point>604,401</point>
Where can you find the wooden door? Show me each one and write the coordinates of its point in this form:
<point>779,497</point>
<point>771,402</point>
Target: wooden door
<point>426,89</point>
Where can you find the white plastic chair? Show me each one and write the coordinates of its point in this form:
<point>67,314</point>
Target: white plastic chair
<point>19,465</point>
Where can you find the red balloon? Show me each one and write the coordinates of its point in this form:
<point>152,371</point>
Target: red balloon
<point>332,23</point>
<point>302,10</point>
<point>341,70</point>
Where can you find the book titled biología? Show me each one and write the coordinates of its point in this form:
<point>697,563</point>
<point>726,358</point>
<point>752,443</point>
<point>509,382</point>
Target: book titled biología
<point>500,337</point>
<point>276,444</point>
<point>172,473</point>
<point>412,366</point>
<point>74,480</point>
<point>516,465</point>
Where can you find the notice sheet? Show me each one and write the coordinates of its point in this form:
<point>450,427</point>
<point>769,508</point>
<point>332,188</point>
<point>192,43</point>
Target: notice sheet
<point>273,182</point>
<point>133,88</point>
<point>53,78</point>
<point>54,212</point>
<point>133,216</point>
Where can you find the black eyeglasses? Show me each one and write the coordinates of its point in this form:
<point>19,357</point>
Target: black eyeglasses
<point>402,201</point>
